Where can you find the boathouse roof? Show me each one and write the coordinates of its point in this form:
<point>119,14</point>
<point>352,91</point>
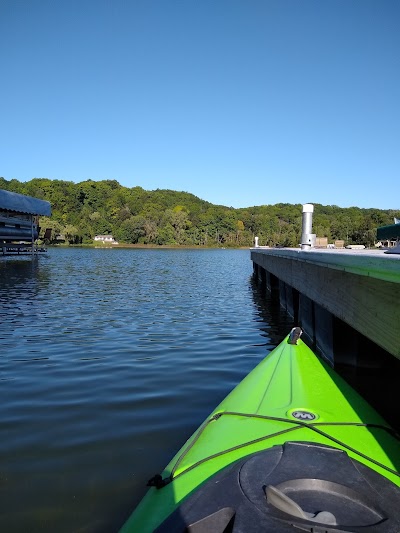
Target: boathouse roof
<point>12,201</point>
<point>388,232</point>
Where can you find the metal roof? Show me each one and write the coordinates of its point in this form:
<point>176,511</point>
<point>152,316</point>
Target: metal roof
<point>388,232</point>
<point>13,201</point>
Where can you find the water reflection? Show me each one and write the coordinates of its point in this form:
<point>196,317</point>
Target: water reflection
<point>109,360</point>
<point>273,320</point>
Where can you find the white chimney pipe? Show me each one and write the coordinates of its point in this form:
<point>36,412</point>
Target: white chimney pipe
<point>307,238</point>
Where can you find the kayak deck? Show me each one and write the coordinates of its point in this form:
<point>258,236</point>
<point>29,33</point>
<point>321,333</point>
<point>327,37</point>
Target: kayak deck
<point>291,395</point>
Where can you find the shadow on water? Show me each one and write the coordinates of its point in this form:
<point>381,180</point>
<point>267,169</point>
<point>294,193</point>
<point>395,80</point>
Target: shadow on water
<point>365,388</point>
<point>22,279</point>
<point>378,385</point>
<point>273,319</point>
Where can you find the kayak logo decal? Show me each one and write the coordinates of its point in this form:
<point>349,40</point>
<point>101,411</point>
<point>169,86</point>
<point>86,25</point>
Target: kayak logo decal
<point>300,414</point>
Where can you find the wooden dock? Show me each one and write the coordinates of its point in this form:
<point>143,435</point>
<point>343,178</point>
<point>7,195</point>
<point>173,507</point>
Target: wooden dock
<point>20,249</point>
<point>337,296</point>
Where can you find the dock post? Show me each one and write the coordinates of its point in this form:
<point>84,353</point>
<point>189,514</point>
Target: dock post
<point>307,237</point>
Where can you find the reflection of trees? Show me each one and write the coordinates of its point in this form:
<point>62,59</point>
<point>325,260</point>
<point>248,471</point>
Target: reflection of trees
<point>22,278</point>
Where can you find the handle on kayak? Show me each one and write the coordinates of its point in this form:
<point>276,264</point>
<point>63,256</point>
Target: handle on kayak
<point>295,335</point>
<point>281,501</point>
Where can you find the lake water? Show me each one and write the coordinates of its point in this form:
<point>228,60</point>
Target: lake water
<point>109,360</point>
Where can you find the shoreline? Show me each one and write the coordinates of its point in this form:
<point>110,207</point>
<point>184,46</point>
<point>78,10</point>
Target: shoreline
<point>150,246</point>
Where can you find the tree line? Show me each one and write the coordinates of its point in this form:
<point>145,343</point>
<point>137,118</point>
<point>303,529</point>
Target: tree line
<point>80,211</point>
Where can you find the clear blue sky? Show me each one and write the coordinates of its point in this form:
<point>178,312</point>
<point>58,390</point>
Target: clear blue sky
<point>240,102</point>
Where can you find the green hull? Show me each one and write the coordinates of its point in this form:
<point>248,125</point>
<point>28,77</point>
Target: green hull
<point>290,396</point>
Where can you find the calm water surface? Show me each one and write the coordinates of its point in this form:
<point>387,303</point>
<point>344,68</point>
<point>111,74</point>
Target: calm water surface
<point>109,360</point>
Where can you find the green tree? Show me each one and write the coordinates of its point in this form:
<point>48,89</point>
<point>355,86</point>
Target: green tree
<point>71,233</point>
<point>163,216</point>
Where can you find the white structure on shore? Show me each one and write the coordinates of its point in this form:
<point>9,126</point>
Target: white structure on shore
<point>106,239</point>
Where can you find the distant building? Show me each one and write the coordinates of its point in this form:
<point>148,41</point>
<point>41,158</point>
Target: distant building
<point>389,235</point>
<point>109,239</point>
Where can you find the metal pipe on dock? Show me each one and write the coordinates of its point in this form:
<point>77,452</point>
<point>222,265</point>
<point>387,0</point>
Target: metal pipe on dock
<point>307,237</point>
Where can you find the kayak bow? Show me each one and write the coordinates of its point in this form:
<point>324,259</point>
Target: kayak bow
<point>293,445</point>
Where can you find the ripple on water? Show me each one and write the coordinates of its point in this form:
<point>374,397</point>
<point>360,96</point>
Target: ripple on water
<point>109,360</point>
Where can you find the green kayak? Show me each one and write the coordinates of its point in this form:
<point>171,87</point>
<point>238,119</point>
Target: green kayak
<point>292,447</point>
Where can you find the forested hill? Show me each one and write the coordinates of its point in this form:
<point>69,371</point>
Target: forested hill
<point>165,217</point>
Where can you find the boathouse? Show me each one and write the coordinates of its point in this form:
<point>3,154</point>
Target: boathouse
<point>389,234</point>
<point>19,221</point>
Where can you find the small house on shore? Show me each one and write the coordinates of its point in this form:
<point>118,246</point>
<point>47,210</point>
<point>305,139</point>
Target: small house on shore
<point>105,239</point>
